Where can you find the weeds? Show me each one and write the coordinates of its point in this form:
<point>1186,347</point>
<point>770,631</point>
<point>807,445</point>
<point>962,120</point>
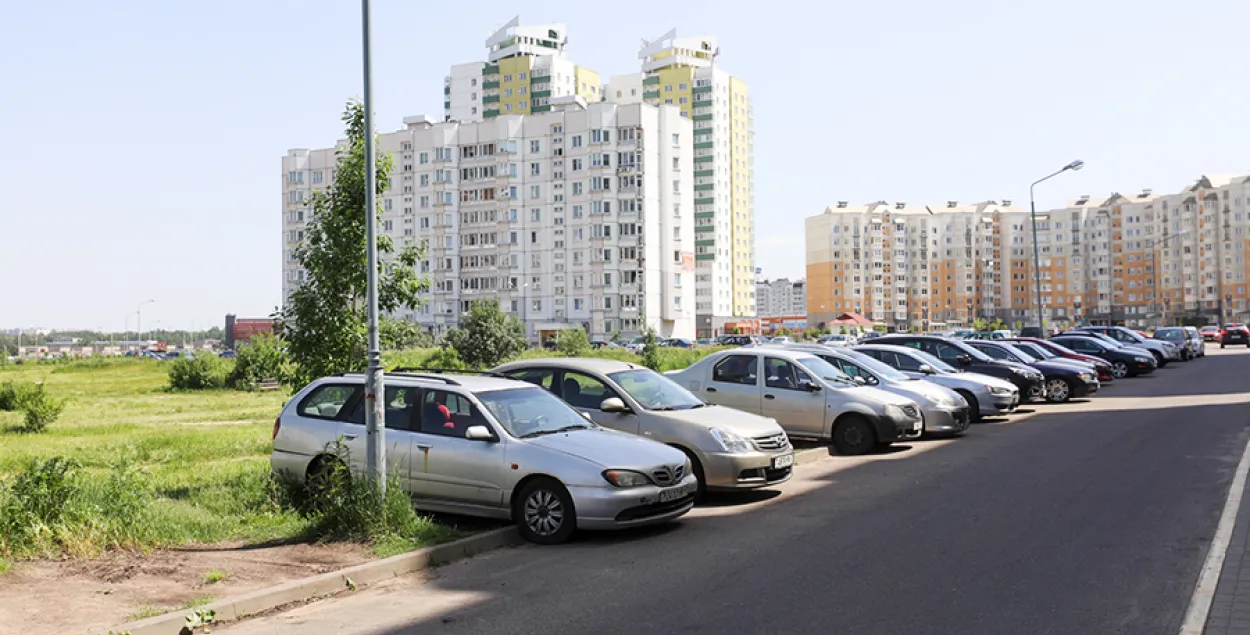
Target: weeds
<point>215,576</point>
<point>40,409</point>
<point>204,371</point>
<point>13,394</point>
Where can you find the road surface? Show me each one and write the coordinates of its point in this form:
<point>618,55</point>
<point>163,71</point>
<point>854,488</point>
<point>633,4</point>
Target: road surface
<point>1084,519</point>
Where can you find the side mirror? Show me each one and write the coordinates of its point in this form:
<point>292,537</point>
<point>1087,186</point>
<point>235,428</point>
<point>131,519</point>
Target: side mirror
<point>964,360</point>
<point>926,369</point>
<point>613,404</point>
<point>478,433</point>
<point>860,380</point>
<point>810,386</point>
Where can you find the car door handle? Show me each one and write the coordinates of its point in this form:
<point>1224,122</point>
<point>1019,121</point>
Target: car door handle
<point>423,447</point>
<point>711,389</point>
<point>769,397</point>
<point>349,437</point>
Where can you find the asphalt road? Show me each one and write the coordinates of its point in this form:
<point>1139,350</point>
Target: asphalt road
<point>1083,519</point>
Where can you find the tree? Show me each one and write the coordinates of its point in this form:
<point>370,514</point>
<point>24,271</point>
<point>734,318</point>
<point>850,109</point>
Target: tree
<point>573,343</point>
<point>650,350</point>
<point>325,320</point>
<point>261,358</point>
<point>999,325</point>
<point>487,336</point>
<point>980,324</point>
<point>397,334</point>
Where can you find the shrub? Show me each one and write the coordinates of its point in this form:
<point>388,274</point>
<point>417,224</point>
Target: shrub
<point>204,371</point>
<point>487,336</point>
<point>40,409</point>
<point>651,351</point>
<point>573,343</point>
<point>445,357</point>
<point>263,357</point>
<point>12,394</point>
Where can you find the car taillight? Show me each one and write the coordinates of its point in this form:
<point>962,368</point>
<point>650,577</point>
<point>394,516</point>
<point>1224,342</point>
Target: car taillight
<point>277,423</point>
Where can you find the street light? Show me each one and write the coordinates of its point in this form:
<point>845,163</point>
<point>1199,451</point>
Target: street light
<point>139,319</point>
<point>1037,261</point>
<point>375,445</point>
<point>1155,278</point>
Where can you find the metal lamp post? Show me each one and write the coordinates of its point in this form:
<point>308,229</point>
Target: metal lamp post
<point>139,319</point>
<point>375,383</point>
<point>1037,272</point>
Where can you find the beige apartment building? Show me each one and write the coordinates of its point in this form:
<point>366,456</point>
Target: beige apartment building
<point>945,265</point>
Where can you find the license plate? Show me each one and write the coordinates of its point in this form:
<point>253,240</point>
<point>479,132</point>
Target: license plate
<point>781,462</point>
<point>672,494</point>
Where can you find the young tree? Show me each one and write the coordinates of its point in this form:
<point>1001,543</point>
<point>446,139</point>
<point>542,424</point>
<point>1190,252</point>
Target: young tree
<point>325,322</point>
<point>573,343</point>
<point>487,336</point>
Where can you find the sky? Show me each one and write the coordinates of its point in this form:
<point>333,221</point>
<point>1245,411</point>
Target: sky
<point>142,140</point>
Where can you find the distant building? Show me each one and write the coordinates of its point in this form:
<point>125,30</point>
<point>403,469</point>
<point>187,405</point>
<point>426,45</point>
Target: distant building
<point>780,297</point>
<point>243,329</point>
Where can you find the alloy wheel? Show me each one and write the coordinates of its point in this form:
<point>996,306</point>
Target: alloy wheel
<point>544,513</point>
<point>1057,390</point>
<point>1119,370</point>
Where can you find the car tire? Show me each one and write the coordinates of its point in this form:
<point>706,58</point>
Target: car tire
<point>322,472</point>
<point>1163,361</point>
<point>544,512</point>
<point>974,408</point>
<point>1058,390</point>
<point>1119,369</point>
<point>700,492</point>
<point>853,435</point>
<point>1221,344</point>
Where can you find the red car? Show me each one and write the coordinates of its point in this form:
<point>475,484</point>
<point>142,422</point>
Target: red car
<point>1101,366</point>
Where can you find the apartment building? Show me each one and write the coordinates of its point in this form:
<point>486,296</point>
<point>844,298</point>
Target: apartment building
<point>780,298</point>
<point>525,69</point>
<point>1097,259</point>
<point>577,216</point>
<point>682,72</point>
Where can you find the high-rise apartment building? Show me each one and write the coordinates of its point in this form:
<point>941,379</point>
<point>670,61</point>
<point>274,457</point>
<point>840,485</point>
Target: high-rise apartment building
<point>525,69</point>
<point>682,72</point>
<point>780,298</point>
<point>578,216</point>
<point>1097,259</point>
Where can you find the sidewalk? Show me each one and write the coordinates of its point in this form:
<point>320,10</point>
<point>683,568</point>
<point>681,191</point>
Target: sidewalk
<point>1230,609</point>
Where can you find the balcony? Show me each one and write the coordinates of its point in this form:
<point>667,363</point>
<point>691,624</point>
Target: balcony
<point>542,108</point>
<point>651,94</point>
<point>699,90</point>
<point>705,187</point>
<point>490,99</point>
<point>491,84</point>
<point>705,243</point>
<point>704,145</point>
<point>704,159</point>
<point>704,201</point>
<point>706,117</point>
<point>703,173</point>
<point>653,80</point>
<point>540,94</point>
<point>490,69</point>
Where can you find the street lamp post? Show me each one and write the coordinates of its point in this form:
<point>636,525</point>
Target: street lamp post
<point>375,383</point>
<point>139,319</point>
<point>1037,261</point>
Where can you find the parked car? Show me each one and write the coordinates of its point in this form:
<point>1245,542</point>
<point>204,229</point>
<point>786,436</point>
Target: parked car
<point>1196,342</point>
<point>836,340</point>
<point>729,449</point>
<point>806,395</point>
<point>959,354</point>
<point>1125,361</point>
<point>942,410</point>
<point>1163,351</point>
<point>228,354</point>
<point>1178,336</point>
<point>707,341</point>
<point>781,339</point>
<point>1114,343</point>
<point>1210,332</point>
<point>1044,349</point>
<point>1064,380</point>
<point>985,395</point>
<point>736,340</point>
<point>868,335</point>
<point>1234,333</point>
<point>677,342</point>
<point>487,446</point>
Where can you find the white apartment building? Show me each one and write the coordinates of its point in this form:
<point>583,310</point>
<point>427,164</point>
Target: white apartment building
<point>579,216</point>
<point>682,72</point>
<point>780,298</point>
<point>525,69</point>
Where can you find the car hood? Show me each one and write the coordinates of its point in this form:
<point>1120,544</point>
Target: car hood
<point>1152,344</point>
<point>743,423</point>
<point>1075,364</point>
<point>1053,367</point>
<point>610,449</point>
<point>884,396</point>
<point>980,379</point>
<point>921,391</point>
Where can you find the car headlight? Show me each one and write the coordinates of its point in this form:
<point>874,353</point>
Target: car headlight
<point>731,442</point>
<point>997,390</point>
<point>626,478</point>
<point>1143,360</point>
<point>1087,377</point>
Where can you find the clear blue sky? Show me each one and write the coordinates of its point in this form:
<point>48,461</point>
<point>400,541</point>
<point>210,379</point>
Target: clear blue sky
<point>142,140</point>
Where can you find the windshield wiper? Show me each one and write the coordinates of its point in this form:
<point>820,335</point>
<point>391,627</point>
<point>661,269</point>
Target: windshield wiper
<point>539,433</point>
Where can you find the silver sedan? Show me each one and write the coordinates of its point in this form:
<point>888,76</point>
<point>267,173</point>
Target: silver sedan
<point>987,396</point>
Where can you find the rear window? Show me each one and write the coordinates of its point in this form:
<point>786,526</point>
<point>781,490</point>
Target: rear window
<point>327,401</point>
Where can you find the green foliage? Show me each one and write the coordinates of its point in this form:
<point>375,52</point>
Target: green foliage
<point>573,343</point>
<point>262,358</point>
<point>445,357</point>
<point>40,409</point>
<point>203,371</point>
<point>13,394</point>
<point>398,334</point>
<point>215,575</point>
<point>487,336</point>
<point>651,350</point>
<point>980,324</point>
<point>999,325</point>
<point>325,321</point>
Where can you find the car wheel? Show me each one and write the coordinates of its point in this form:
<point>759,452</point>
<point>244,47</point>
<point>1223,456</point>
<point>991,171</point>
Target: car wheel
<point>1163,361</point>
<point>1119,370</point>
<point>1221,344</point>
<point>1058,390</point>
<point>544,512</point>
<point>853,435</point>
<point>324,474</point>
<point>974,408</point>
<point>701,492</point>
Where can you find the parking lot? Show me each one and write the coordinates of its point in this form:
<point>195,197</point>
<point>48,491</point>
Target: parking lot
<point>1088,517</point>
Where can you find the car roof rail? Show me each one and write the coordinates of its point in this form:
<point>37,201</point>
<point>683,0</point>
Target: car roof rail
<point>437,373</point>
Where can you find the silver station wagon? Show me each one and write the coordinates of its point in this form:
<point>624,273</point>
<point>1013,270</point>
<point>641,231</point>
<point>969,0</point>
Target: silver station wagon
<point>729,449</point>
<point>488,446</point>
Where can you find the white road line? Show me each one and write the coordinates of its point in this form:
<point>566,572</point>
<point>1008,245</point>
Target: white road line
<point>1204,593</point>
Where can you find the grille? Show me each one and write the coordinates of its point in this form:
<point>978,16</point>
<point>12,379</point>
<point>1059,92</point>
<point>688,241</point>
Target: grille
<point>772,442</point>
<point>665,476</point>
<point>911,411</point>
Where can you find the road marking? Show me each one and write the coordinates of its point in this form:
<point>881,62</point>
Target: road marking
<point>1204,593</point>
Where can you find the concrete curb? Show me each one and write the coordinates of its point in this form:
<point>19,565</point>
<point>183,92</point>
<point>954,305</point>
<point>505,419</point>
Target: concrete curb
<point>326,584</point>
<point>811,455</point>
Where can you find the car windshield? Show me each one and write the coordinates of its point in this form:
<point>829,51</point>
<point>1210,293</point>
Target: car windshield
<point>654,391</point>
<point>1097,343</point>
<point>933,362</point>
<point>824,370</point>
<point>531,412</point>
<point>1024,355</point>
<point>1173,334</point>
<point>972,352</point>
<point>876,366</point>
<point>1035,350</point>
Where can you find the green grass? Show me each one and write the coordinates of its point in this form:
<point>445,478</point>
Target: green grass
<point>215,576</point>
<point>149,468</point>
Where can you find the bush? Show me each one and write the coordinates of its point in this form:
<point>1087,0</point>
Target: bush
<point>398,334</point>
<point>13,394</point>
<point>445,357</point>
<point>487,336</point>
<point>651,351</point>
<point>41,409</point>
<point>573,343</point>
<point>263,357</point>
<point>204,371</point>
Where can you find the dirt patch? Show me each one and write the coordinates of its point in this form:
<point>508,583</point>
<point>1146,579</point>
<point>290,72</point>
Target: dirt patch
<point>90,596</point>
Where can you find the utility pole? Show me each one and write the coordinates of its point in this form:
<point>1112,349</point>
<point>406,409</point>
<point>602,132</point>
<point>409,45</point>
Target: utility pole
<point>375,383</point>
